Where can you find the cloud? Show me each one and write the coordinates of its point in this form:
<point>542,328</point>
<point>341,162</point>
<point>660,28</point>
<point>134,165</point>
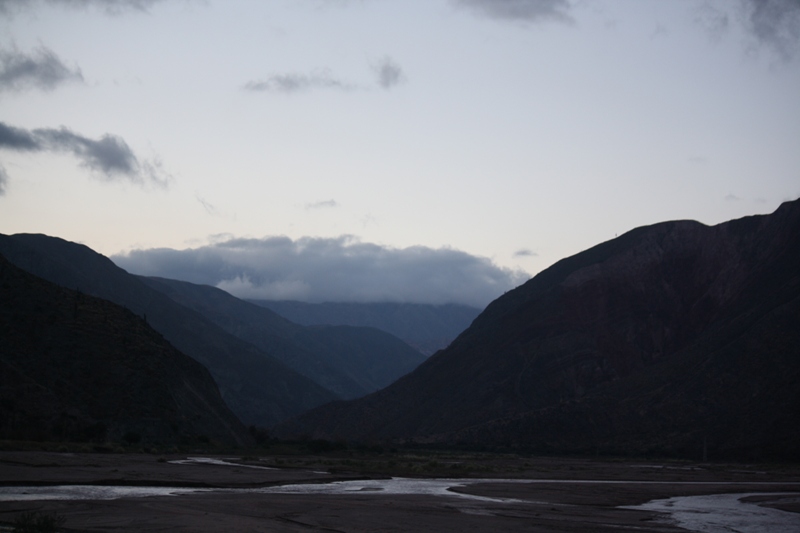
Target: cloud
<point>40,70</point>
<point>525,11</point>
<point>209,207</point>
<point>732,198</point>
<point>339,269</point>
<point>295,82</point>
<point>388,72</point>
<point>323,204</point>
<point>3,180</point>
<point>8,7</point>
<point>524,252</point>
<point>18,139</point>
<point>109,155</point>
<point>715,21</point>
<point>776,24</point>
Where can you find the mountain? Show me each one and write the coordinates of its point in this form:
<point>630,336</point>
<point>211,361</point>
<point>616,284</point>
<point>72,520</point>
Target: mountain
<point>428,328</point>
<point>350,361</point>
<point>676,338</point>
<point>259,389</point>
<point>78,368</point>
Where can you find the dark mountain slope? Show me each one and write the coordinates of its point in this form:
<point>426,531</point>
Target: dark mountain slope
<point>350,361</point>
<point>74,367</point>
<point>258,388</point>
<point>657,340</point>
<point>428,328</point>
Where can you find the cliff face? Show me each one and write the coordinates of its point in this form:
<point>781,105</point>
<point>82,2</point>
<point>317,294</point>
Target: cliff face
<point>670,337</point>
<point>77,368</point>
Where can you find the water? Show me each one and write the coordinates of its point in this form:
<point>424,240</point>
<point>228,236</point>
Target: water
<point>716,513</point>
<point>216,462</point>
<point>89,492</point>
<point>396,486</point>
<point>724,513</point>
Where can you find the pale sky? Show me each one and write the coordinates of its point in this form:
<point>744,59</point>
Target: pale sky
<point>408,150</point>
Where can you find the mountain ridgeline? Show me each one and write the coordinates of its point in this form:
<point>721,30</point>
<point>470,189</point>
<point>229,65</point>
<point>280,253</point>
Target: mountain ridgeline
<point>428,328</point>
<point>267,368</point>
<point>674,339</point>
<point>350,361</point>
<point>78,368</point>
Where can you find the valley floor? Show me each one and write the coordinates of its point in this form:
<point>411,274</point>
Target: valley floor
<point>557,495</point>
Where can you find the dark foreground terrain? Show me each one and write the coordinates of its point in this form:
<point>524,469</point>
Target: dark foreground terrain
<point>571,495</point>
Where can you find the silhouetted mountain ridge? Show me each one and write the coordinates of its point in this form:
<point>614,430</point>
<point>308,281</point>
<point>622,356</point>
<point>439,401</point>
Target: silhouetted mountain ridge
<point>259,389</point>
<point>78,368</point>
<point>667,338</point>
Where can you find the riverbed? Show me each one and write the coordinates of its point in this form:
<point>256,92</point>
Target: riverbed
<point>205,494</point>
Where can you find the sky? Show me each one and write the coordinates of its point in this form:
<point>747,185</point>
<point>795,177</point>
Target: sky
<point>427,151</point>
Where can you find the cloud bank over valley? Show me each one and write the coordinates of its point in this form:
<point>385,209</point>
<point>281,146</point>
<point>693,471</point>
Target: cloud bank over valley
<point>340,269</point>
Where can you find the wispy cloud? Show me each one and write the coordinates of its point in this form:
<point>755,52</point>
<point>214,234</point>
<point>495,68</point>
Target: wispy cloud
<point>388,72</point>
<point>714,20</point>
<point>524,252</point>
<point>109,155</point>
<point>323,204</point>
<point>772,24</point>
<point>526,11</point>
<point>330,269</point>
<point>9,7</point>
<point>732,198</point>
<point>297,82</point>
<point>209,208</point>
<point>3,180</point>
<point>41,69</point>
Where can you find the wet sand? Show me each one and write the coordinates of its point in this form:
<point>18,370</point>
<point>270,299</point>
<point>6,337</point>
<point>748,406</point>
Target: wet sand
<point>566,506</point>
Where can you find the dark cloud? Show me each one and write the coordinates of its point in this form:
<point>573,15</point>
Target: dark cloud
<point>323,204</point>
<point>294,82</point>
<point>775,23</point>
<point>109,155</point>
<point>520,10</point>
<point>335,269</point>
<point>8,7</point>
<point>40,70</point>
<point>388,72</point>
<point>18,139</point>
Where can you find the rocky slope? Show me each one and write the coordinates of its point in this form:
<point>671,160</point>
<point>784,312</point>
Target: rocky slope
<point>673,338</point>
<point>78,368</point>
